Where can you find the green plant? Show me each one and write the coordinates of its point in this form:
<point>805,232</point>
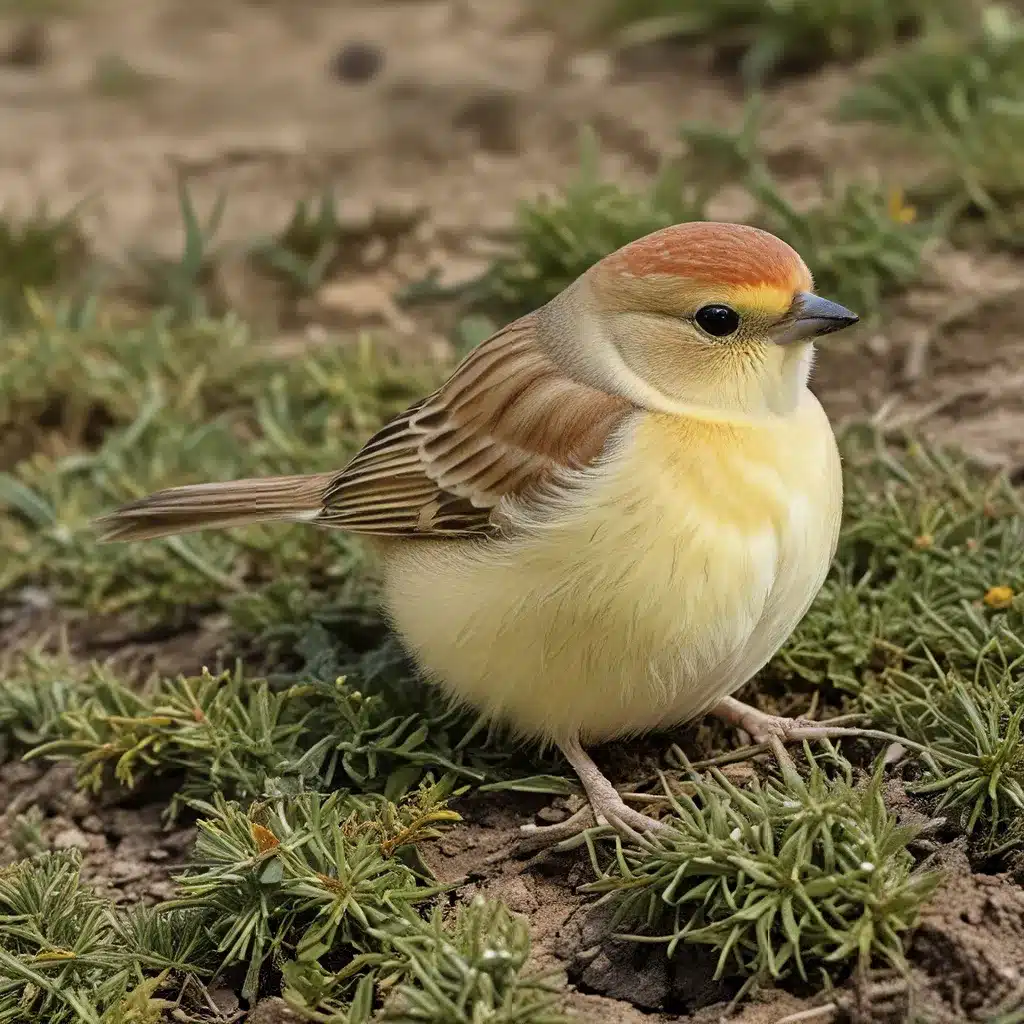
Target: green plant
<point>771,35</point>
<point>224,734</point>
<point>472,969</point>
<point>960,97</point>
<point>66,956</point>
<point>301,876</point>
<point>304,253</point>
<point>860,242</point>
<point>36,691</point>
<point>972,726</point>
<point>785,877</point>
<point>40,256</point>
<point>182,285</point>
<point>154,406</point>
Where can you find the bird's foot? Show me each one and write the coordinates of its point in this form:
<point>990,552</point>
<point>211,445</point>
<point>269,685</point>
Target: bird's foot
<point>604,807</point>
<point>761,727</point>
<point>628,822</point>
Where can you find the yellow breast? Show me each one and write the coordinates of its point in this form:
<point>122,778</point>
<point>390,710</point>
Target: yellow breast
<point>663,583</point>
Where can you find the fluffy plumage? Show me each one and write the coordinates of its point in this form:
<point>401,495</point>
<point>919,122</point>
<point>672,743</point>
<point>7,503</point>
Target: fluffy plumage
<point>650,586</point>
<point>607,520</point>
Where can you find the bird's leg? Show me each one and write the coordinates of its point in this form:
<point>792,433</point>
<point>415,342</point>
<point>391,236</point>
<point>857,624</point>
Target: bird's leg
<point>762,727</point>
<point>606,807</point>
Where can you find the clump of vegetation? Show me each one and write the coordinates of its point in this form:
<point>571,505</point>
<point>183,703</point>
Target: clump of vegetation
<point>773,35</point>
<point>958,98</point>
<point>37,691</point>
<point>150,407</point>
<point>240,737</point>
<point>306,251</point>
<point>293,887</point>
<point>116,77</point>
<point>42,257</point>
<point>67,955</point>
<point>860,241</point>
<point>790,876</point>
<point>301,876</point>
<point>473,969</point>
<point>971,726</point>
<point>182,285</point>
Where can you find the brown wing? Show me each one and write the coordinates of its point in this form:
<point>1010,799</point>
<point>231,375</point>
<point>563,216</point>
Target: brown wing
<point>506,420</point>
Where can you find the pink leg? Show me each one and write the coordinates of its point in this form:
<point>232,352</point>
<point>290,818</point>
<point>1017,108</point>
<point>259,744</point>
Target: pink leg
<point>606,807</point>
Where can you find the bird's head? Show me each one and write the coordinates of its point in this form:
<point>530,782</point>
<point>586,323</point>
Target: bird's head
<point>718,316</point>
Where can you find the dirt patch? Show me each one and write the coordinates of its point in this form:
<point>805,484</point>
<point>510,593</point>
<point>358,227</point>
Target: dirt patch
<point>969,949</point>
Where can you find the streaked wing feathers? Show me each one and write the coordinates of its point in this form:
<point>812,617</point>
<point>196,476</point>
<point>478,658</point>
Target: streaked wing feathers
<point>503,424</point>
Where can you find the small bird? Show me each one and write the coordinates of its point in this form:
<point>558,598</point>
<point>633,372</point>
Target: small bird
<point>612,514</point>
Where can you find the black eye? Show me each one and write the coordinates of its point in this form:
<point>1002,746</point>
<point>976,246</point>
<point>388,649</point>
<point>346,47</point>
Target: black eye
<point>718,321</point>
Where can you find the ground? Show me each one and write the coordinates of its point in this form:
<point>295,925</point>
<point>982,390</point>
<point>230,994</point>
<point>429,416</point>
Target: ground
<point>475,106</point>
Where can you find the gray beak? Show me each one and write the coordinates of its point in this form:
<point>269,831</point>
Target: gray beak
<point>814,317</point>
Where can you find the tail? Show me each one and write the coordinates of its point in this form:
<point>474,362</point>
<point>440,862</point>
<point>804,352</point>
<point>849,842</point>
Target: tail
<point>215,506</point>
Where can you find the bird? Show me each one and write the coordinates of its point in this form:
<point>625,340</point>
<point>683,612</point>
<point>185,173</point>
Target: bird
<point>612,514</point>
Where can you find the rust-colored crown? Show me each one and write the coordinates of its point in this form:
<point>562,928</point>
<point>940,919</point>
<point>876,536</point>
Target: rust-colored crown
<point>713,253</point>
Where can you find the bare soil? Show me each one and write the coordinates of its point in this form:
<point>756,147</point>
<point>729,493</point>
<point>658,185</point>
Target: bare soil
<point>474,105</point>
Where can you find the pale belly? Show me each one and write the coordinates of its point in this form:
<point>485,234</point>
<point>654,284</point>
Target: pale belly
<point>664,584</point>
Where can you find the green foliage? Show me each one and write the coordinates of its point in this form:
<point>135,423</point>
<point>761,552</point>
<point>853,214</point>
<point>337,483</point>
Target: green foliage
<point>236,736</point>
<point>182,284</point>
<point>40,255</point>
<point>560,238</point>
<point>298,884</point>
<point>223,734</point>
<point>773,35</point>
<point>861,242</point>
<point>959,97</point>
<point>972,728</point>
<point>471,970</point>
<point>306,251</point>
<point>36,690</point>
<point>791,875</point>
<point>116,77</point>
<point>926,538</point>
<point>66,956</point>
<point>304,874</point>
<point>155,406</point>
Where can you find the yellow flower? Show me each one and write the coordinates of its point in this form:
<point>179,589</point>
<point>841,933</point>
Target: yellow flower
<point>899,210</point>
<point>998,597</point>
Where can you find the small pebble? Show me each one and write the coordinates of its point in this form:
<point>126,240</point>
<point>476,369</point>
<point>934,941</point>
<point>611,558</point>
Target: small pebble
<point>357,62</point>
<point>29,47</point>
<point>71,839</point>
<point>552,815</point>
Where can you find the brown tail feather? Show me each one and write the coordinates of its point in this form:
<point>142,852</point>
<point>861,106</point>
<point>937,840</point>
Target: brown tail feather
<point>215,506</point>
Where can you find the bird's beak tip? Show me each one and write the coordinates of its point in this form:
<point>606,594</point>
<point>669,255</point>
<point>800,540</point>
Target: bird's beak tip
<point>816,317</point>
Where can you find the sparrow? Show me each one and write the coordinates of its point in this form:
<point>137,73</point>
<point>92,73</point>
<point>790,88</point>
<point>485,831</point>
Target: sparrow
<point>612,514</point>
